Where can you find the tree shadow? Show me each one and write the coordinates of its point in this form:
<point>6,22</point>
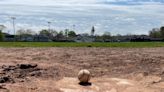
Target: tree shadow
<point>85,84</point>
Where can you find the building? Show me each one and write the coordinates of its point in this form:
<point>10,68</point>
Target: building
<point>9,38</point>
<point>41,38</point>
<point>84,38</point>
<point>26,38</point>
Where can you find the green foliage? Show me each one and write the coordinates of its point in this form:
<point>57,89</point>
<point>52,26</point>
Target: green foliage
<point>23,32</point>
<point>2,27</point>
<point>61,32</point>
<point>1,36</point>
<point>66,32</point>
<point>59,36</point>
<point>73,44</point>
<point>106,36</point>
<point>53,32</point>
<point>155,33</point>
<point>45,32</point>
<point>162,31</point>
<point>48,33</point>
<point>71,34</point>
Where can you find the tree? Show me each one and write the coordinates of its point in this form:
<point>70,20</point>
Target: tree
<point>59,36</point>
<point>106,36</point>
<point>61,33</point>
<point>45,32</point>
<point>155,33</point>
<point>48,33</point>
<point>2,27</point>
<point>23,32</point>
<point>162,32</point>
<point>1,36</point>
<point>71,34</point>
<point>53,32</point>
<point>66,32</point>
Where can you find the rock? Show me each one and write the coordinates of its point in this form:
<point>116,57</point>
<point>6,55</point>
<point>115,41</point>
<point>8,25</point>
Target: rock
<point>8,68</point>
<point>4,79</point>
<point>27,66</point>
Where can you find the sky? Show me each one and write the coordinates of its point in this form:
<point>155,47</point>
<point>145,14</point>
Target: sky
<point>115,16</point>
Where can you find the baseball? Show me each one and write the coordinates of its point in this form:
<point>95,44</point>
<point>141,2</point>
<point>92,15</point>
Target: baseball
<point>84,76</point>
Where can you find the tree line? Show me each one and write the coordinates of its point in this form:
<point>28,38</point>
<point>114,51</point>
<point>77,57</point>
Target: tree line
<point>68,34</point>
<point>157,32</point>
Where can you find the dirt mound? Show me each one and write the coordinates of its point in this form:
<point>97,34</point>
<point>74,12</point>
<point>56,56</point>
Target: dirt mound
<point>21,72</point>
<point>2,89</point>
<point>141,65</point>
<point>5,79</point>
<point>25,73</point>
<point>106,85</point>
<point>11,73</point>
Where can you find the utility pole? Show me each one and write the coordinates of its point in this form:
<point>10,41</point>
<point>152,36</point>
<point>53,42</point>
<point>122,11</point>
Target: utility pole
<point>13,21</point>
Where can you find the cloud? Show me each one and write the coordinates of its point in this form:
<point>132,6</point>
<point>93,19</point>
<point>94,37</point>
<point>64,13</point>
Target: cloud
<point>80,2</point>
<point>114,16</point>
<point>48,2</point>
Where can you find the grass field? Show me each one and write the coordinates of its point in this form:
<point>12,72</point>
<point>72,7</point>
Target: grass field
<point>72,44</point>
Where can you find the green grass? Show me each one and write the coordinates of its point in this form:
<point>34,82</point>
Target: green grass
<point>72,44</point>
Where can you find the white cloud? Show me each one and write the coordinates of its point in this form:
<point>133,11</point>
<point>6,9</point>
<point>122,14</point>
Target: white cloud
<point>48,2</point>
<point>118,19</point>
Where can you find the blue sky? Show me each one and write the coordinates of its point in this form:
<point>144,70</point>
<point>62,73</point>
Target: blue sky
<point>115,16</point>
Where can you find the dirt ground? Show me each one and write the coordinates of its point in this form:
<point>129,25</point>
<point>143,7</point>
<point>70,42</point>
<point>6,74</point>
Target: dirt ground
<point>55,69</point>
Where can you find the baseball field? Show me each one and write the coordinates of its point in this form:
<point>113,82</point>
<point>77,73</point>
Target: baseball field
<point>53,67</point>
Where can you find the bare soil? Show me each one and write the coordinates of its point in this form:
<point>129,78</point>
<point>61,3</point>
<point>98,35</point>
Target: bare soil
<point>43,69</point>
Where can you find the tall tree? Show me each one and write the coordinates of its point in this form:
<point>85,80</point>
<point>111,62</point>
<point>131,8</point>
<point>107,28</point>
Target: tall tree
<point>61,33</point>
<point>45,32</point>
<point>1,36</point>
<point>2,27</point>
<point>59,36</point>
<point>162,31</point>
<point>48,33</point>
<point>53,32</point>
<point>66,31</point>
<point>155,33</point>
<point>23,32</point>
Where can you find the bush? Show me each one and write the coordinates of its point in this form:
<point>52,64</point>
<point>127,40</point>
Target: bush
<point>1,36</point>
